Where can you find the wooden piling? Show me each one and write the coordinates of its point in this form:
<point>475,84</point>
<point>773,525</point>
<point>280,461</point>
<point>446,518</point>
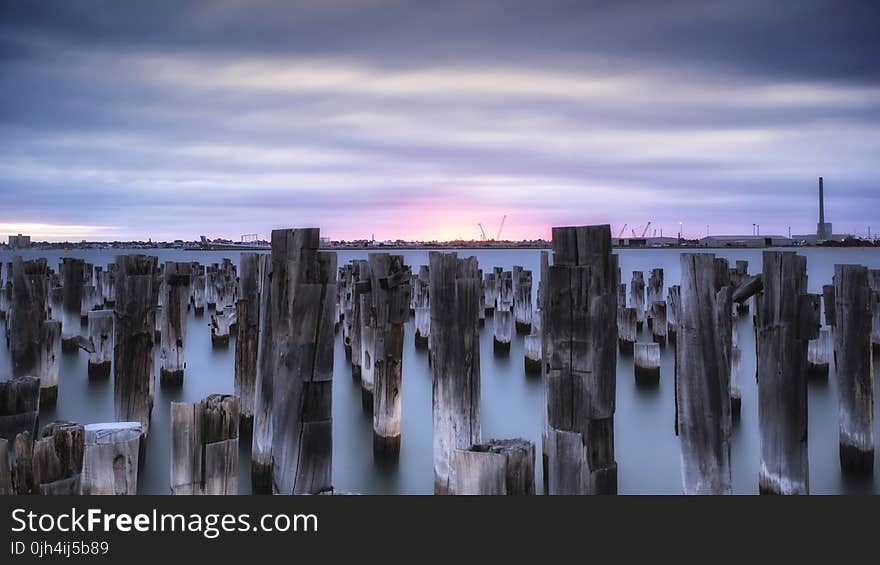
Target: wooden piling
<point>197,288</point>
<point>110,285</point>
<point>455,359</point>
<point>818,354</point>
<point>522,300</point>
<point>72,275</point>
<point>134,331</point>
<point>19,405</point>
<point>248,316</point>
<point>422,302</point>
<point>221,325</point>
<point>703,406</point>
<point>580,335</point>
<point>659,327</point>
<point>828,303</point>
<point>295,367</point>
<point>741,273</point>
<point>204,446</point>
<point>490,292</point>
<point>637,297</point>
<point>646,362</point>
<point>88,303</point>
<point>367,348</point>
<point>497,467</point>
<point>626,329</point>
<point>360,287</point>
<point>852,351</point>
<point>176,290</point>
<point>16,464</point>
<point>101,338</point>
<point>786,318</point>
<point>58,459</point>
<point>28,310</point>
<point>654,292</point>
<point>673,298</point>
<point>503,322</point>
<point>532,346</point>
<point>110,458</point>
<point>874,284</point>
<point>391,288</point>
<point>50,359</point>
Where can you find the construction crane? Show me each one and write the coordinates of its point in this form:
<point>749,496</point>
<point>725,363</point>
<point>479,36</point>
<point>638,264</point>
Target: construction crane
<point>620,235</point>
<point>501,227</point>
<point>482,232</point>
<point>646,229</point>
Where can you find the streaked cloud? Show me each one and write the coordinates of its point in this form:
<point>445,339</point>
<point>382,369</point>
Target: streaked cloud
<point>407,120</point>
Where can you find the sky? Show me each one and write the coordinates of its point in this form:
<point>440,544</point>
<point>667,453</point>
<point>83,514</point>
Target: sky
<point>166,119</point>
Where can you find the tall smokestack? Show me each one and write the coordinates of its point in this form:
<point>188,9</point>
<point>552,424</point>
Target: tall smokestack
<point>821,203</point>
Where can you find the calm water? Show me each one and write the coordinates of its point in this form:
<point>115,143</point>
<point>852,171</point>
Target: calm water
<point>647,450</point>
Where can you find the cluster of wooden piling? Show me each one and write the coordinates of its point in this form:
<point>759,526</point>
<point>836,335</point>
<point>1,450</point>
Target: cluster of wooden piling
<point>285,308</point>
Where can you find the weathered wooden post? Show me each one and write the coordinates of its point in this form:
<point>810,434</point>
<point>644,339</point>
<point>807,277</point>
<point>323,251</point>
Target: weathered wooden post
<point>522,300</point>
<point>248,316</point>
<point>368,347</point>
<point>874,284</point>
<point>580,335</point>
<point>703,406</point>
<point>422,301</point>
<point>655,293</point>
<point>391,300</point>
<point>637,297</point>
<point>88,303</point>
<point>50,359</point>
<point>532,346</point>
<point>626,329</point>
<point>828,303</point>
<point>5,299</point>
<point>99,287</point>
<point>742,273</point>
<point>659,326</point>
<point>673,298</point>
<point>19,409</point>
<point>110,285</point>
<point>852,351</point>
<point>360,287</point>
<point>455,359</point>
<point>490,292</point>
<point>347,277</point>
<point>503,315</point>
<point>19,406</point>
<point>204,446</point>
<point>221,325</point>
<point>173,330</point>
<point>646,362</point>
<point>134,330</point>
<point>72,274</point>
<point>818,354</point>
<point>58,459</point>
<point>197,288</point>
<point>786,319</point>
<point>211,285</point>
<point>28,311</point>
<point>56,303</point>
<point>292,449</point>
<point>497,467</point>
<point>110,459</point>
<point>101,338</point>
<point>16,464</point>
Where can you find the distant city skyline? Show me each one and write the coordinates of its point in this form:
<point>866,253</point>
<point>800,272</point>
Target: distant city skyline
<point>417,120</point>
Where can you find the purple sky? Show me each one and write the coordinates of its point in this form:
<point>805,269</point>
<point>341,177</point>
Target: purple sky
<point>169,119</point>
